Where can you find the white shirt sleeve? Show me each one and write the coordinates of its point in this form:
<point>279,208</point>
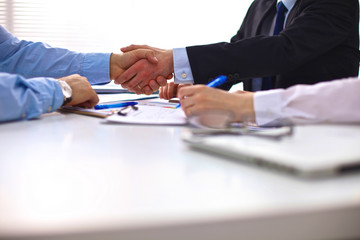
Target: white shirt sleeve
<point>182,69</point>
<point>331,102</point>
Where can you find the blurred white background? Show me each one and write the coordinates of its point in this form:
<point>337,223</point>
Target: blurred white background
<point>107,25</point>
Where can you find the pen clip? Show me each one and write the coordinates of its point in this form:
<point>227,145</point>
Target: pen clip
<point>125,110</point>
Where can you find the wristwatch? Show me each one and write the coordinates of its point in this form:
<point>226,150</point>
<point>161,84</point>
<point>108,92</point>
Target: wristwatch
<point>67,92</point>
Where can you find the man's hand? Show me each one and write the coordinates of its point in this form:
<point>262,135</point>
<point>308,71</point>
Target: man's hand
<point>83,95</point>
<point>200,98</point>
<point>145,76</point>
<point>120,62</point>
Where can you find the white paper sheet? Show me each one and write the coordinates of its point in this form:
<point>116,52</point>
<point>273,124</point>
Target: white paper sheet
<point>120,97</point>
<point>152,115</point>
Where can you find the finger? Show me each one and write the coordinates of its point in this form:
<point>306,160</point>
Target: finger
<point>161,80</point>
<point>164,92</point>
<point>148,54</point>
<point>147,90</point>
<point>86,104</point>
<point>128,75</point>
<point>94,99</point>
<point>186,91</point>
<point>137,89</point>
<point>124,85</point>
<point>170,90</point>
<point>175,90</point>
<point>161,92</point>
<point>154,85</point>
<point>136,83</point>
<point>137,73</point>
<point>187,105</point>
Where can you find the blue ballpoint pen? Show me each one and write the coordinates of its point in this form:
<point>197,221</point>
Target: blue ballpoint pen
<point>214,83</point>
<point>115,105</point>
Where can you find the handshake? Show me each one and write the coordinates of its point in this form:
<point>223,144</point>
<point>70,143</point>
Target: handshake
<point>148,74</point>
<point>140,69</point>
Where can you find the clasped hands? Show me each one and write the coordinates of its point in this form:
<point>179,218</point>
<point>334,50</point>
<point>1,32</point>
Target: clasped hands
<point>85,96</point>
<point>146,77</point>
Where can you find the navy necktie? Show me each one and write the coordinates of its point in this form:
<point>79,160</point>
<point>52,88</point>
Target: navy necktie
<point>279,26</point>
<point>280,18</point>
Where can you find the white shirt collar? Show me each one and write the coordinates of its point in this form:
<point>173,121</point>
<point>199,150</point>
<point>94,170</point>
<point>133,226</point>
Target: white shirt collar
<point>289,4</point>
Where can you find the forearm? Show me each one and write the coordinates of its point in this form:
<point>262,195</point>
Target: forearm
<point>27,98</point>
<point>36,59</point>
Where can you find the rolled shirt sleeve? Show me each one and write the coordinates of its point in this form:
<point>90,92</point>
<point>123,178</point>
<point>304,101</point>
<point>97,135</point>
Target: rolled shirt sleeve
<point>28,98</point>
<point>37,59</point>
<point>96,67</point>
<point>326,102</point>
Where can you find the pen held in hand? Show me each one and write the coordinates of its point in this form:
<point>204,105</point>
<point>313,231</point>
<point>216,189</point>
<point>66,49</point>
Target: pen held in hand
<point>214,83</point>
<point>115,105</point>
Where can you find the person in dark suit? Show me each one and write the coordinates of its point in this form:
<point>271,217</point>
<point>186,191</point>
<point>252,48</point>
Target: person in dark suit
<point>319,42</point>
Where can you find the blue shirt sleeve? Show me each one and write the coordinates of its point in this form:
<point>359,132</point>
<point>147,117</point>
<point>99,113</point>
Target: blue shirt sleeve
<point>36,59</point>
<point>22,98</point>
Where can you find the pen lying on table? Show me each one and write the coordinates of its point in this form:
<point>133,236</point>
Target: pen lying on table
<point>115,105</point>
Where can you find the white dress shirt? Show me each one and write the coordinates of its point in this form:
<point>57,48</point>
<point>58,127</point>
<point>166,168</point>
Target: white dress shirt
<point>336,101</point>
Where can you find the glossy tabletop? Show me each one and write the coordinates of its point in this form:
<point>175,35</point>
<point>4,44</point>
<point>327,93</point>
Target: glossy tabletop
<point>68,176</point>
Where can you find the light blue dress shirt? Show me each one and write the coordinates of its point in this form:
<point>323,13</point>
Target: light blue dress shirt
<point>28,87</point>
<point>182,69</point>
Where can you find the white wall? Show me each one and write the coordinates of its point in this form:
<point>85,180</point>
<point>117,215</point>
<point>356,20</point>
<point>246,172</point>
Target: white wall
<point>107,25</point>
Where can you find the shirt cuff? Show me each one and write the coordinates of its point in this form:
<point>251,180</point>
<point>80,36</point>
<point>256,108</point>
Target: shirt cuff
<point>58,96</point>
<point>49,95</point>
<point>96,68</point>
<point>267,106</point>
<point>182,69</point>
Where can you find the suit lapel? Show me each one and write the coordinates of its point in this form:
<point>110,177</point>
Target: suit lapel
<point>268,12</point>
<point>293,13</point>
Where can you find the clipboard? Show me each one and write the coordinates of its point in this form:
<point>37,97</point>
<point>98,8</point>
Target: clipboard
<point>103,113</point>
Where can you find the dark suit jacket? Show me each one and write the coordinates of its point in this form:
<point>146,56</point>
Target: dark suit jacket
<point>320,42</point>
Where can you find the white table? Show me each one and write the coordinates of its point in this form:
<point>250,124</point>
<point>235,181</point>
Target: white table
<point>67,176</point>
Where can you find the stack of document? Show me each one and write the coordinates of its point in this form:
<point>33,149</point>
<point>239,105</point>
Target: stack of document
<point>110,88</point>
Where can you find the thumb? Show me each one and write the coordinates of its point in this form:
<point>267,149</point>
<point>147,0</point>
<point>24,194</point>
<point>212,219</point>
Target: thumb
<point>133,47</point>
<point>148,54</point>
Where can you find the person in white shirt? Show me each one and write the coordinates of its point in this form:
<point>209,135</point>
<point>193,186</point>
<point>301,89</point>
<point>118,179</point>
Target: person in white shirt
<point>335,101</point>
